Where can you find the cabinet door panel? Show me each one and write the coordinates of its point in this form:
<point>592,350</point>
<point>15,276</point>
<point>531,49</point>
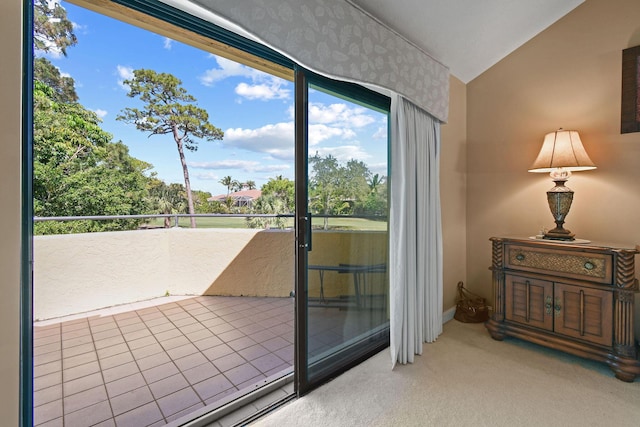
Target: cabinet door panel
<point>529,301</point>
<point>584,313</point>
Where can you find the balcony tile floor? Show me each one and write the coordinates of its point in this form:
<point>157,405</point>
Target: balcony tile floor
<point>150,365</point>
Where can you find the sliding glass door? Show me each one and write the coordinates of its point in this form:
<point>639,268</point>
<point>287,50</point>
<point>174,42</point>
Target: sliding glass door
<point>342,211</point>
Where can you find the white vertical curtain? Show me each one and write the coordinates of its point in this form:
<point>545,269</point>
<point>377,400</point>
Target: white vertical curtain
<point>415,264</point>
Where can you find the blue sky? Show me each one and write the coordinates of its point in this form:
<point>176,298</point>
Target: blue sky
<point>254,109</point>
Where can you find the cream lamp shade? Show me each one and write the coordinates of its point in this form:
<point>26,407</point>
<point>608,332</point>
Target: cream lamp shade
<point>562,149</point>
<point>561,153</point>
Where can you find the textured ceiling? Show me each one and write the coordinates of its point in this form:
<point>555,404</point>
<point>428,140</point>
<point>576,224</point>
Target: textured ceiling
<point>468,36</point>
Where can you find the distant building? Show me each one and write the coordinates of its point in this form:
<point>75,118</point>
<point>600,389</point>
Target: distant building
<point>242,198</point>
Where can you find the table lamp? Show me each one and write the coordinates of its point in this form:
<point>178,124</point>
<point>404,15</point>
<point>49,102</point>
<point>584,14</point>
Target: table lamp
<point>561,153</point>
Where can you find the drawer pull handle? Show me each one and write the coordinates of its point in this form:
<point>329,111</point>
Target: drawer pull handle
<point>547,305</point>
<point>589,265</point>
<point>558,307</point>
<point>520,257</point>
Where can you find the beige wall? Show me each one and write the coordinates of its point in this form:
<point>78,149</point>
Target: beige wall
<point>568,76</point>
<point>10,141</point>
<point>453,192</point>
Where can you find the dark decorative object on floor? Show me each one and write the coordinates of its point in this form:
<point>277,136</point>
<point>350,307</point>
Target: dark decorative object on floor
<point>470,308</point>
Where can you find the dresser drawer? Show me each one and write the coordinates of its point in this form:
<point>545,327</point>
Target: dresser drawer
<point>595,267</point>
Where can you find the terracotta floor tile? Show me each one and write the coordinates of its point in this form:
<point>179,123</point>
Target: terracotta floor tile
<point>241,374</point>
<point>78,401</point>
<point>130,400</point>
<point>213,386</point>
<point>47,368</point>
<point>153,360</point>
<point>116,360</point>
<point>82,384</point>
<point>168,385</point>
<point>81,359</point>
<point>144,415</point>
<point>190,361</point>
<point>156,364</point>
<point>178,401</point>
<point>80,371</point>
<point>200,373</point>
<point>47,395</point>
<point>120,371</point>
<point>125,385</point>
<point>47,412</point>
<point>160,372</point>
<point>90,415</point>
<point>229,361</point>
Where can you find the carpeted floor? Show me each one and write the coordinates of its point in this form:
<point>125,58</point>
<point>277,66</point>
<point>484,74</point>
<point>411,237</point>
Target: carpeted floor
<point>468,379</point>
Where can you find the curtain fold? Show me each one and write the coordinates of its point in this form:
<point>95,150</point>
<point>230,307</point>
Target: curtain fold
<point>415,244</point>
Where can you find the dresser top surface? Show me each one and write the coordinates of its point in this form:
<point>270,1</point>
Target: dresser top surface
<point>567,244</point>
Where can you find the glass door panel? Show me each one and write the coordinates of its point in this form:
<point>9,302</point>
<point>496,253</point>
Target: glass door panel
<point>346,298</point>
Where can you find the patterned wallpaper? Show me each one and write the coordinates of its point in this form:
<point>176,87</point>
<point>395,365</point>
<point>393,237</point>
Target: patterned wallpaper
<point>337,39</point>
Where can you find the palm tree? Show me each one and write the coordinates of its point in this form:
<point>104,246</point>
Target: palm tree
<point>251,185</point>
<point>375,181</point>
<point>227,181</point>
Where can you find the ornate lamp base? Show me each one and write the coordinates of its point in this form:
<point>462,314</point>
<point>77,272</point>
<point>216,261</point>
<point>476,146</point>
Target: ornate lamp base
<point>559,198</point>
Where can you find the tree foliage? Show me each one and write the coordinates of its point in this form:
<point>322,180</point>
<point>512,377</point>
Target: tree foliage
<point>169,109</point>
<point>63,86</point>
<point>268,204</point>
<point>52,31</point>
<point>283,189</point>
<point>79,170</point>
<point>343,189</point>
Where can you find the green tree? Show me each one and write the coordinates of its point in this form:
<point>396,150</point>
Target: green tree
<point>325,187</point>
<point>63,86</point>
<point>169,109</point>
<point>167,199</point>
<point>201,201</point>
<point>79,171</point>
<point>251,185</point>
<point>52,31</point>
<point>268,204</point>
<point>283,189</point>
<point>376,201</point>
<point>336,189</point>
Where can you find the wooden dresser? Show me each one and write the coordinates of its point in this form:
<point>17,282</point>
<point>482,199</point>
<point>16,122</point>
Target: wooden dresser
<point>578,298</point>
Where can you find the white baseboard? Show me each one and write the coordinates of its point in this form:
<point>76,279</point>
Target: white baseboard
<point>448,314</point>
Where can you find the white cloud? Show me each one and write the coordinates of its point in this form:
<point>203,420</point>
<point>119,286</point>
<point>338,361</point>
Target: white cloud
<point>244,165</point>
<point>207,176</point>
<point>277,140</point>
<point>339,114</point>
<point>320,132</point>
<point>125,73</point>
<point>381,133</point>
<point>167,43</point>
<point>100,113</point>
<point>227,68</point>
<point>273,139</point>
<point>343,153</point>
<point>264,91</point>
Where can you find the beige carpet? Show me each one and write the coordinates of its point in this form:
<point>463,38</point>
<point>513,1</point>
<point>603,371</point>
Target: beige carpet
<point>468,379</point>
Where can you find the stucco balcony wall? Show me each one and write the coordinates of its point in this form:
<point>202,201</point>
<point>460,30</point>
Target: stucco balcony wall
<point>77,273</point>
